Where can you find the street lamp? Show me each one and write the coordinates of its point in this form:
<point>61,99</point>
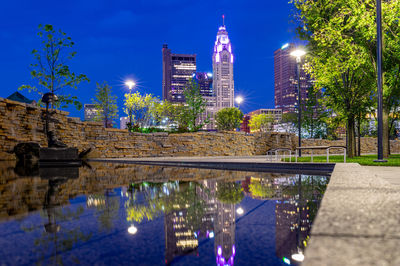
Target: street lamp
<point>298,54</point>
<point>130,85</point>
<point>379,68</point>
<point>239,100</point>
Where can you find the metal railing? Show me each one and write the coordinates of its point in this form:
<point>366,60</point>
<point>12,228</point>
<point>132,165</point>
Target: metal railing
<point>275,152</point>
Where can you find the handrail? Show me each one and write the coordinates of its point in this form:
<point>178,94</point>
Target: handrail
<point>271,152</point>
<point>328,148</point>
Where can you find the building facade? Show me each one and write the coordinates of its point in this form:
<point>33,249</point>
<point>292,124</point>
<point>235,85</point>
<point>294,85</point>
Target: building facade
<point>222,58</point>
<point>285,79</point>
<point>276,114</point>
<point>177,70</point>
<point>90,112</point>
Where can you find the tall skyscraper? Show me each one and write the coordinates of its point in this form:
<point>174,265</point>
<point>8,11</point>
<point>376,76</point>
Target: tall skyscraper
<point>223,70</point>
<point>205,82</point>
<point>177,70</point>
<point>285,77</point>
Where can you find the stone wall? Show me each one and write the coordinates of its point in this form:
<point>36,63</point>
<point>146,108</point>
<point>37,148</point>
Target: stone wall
<point>22,123</point>
<point>368,145</point>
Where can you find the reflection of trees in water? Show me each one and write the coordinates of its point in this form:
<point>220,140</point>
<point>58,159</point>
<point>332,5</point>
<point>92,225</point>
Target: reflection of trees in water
<point>261,190</point>
<point>166,197</point>
<point>229,192</point>
<point>57,239</point>
<point>59,234</point>
<point>107,207</point>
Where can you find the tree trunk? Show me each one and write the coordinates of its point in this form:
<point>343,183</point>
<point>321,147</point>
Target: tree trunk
<point>350,137</point>
<point>385,133</point>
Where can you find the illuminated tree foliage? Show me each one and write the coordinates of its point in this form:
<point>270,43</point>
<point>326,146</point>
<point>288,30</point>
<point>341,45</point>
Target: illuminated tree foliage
<point>342,46</point>
<point>261,122</point>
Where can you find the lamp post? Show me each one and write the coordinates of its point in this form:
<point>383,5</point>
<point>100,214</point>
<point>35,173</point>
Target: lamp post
<point>239,100</point>
<point>379,79</point>
<point>298,54</point>
<point>130,84</point>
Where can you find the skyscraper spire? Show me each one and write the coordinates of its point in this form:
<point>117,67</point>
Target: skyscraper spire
<point>223,20</point>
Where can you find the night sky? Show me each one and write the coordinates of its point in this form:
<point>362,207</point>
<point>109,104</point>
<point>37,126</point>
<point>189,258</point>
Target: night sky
<point>120,40</point>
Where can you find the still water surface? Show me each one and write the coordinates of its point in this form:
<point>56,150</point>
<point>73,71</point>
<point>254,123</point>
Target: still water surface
<point>119,214</point>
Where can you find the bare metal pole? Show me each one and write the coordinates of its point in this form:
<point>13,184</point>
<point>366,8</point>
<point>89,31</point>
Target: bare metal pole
<point>298,61</point>
<point>379,79</point>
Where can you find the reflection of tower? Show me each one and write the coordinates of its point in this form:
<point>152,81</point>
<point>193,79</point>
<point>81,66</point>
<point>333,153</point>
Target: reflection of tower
<point>292,224</point>
<point>224,225</point>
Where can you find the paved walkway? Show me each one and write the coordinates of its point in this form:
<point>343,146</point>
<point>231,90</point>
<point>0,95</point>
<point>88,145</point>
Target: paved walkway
<point>358,222</point>
<point>390,174</point>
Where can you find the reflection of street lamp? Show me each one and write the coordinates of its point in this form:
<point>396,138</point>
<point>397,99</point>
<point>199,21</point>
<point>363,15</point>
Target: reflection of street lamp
<point>298,54</point>
<point>132,230</point>
<point>130,84</point>
<point>239,100</point>
<point>239,211</point>
<point>298,256</point>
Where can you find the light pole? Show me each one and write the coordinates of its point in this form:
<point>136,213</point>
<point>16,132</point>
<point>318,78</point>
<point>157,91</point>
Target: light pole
<point>130,84</point>
<point>379,79</point>
<point>239,100</point>
<point>298,54</point>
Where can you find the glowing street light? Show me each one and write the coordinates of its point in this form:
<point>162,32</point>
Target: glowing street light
<point>298,54</point>
<point>132,229</point>
<point>239,100</point>
<point>130,85</point>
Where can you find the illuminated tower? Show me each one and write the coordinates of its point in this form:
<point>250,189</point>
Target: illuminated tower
<point>223,70</point>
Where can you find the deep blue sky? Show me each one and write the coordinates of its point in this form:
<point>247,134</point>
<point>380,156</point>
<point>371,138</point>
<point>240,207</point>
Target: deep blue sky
<point>122,39</point>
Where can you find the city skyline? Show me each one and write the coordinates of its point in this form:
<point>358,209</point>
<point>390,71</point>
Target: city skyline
<point>122,41</point>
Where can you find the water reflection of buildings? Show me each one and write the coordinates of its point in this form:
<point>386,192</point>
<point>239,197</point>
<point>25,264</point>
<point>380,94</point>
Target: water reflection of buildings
<point>293,224</point>
<point>217,221</point>
<point>179,238</point>
<point>224,226</point>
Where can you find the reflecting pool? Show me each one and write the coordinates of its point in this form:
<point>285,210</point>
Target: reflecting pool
<point>124,214</point>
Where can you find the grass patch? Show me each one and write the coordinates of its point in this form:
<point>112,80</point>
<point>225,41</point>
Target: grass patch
<point>394,160</point>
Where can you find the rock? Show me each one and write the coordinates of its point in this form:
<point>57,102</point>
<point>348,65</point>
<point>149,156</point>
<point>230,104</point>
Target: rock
<point>27,151</point>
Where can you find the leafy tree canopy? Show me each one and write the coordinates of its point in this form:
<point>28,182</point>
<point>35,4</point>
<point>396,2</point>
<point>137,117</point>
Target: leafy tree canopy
<point>51,69</point>
<point>228,118</point>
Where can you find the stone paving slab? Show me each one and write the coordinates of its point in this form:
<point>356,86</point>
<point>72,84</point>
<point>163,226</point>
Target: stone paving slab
<point>358,222</point>
<point>341,250</point>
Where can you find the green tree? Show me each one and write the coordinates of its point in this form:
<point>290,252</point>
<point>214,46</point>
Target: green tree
<point>140,108</point>
<point>337,62</point>
<point>228,118</point>
<point>195,106</point>
<point>51,69</point>
<point>289,122</point>
<point>105,104</point>
<point>261,122</point>
<point>313,114</point>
